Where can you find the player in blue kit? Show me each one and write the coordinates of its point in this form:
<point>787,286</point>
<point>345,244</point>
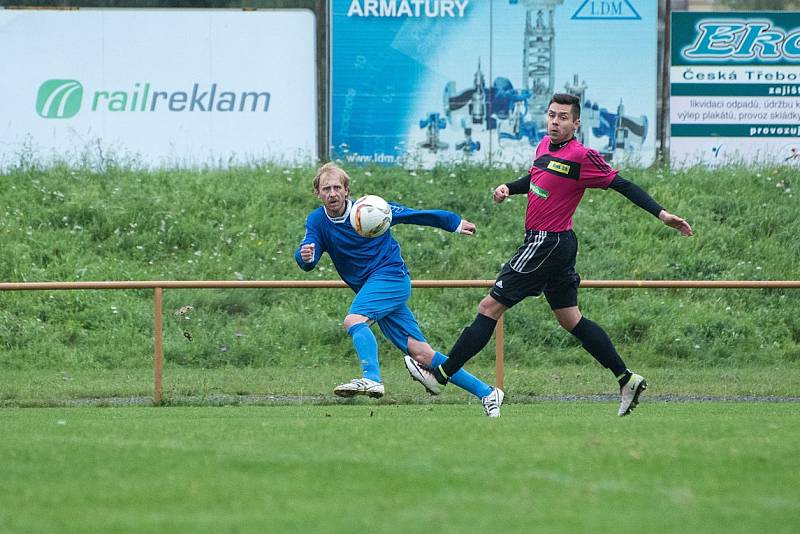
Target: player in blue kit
<point>375,270</point>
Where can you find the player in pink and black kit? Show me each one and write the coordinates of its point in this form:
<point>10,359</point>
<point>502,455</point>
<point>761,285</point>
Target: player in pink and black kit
<point>545,263</point>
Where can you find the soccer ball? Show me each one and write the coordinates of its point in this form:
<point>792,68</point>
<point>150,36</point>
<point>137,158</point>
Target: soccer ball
<point>370,216</point>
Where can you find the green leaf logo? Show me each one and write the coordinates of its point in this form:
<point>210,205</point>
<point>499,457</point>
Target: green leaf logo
<point>59,99</point>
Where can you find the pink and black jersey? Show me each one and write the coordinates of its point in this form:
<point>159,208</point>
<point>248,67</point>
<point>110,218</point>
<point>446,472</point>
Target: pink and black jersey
<point>558,180</point>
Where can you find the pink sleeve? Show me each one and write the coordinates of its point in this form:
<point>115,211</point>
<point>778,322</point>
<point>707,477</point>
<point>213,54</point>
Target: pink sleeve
<point>595,172</point>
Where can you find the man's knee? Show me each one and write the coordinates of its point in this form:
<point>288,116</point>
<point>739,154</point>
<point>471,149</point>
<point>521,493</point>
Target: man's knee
<point>353,319</point>
<point>568,318</point>
<point>491,308</point>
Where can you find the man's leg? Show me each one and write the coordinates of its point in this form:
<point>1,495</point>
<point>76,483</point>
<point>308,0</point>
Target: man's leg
<point>367,349</point>
<point>402,329</point>
<point>472,339</point>
<point>374,300</point>
<point>422,354</point>
<point>594,339</point>
<point>491,398</point>
<point>366,346</point>
<point>377,298</point>
<point>597,343</point>
<point>524,275</point>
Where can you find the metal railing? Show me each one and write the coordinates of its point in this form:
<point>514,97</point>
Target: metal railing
<point>158,287</point>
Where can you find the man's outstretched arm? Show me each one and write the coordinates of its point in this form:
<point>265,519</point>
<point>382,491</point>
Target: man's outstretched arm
<point>443,219</point>
<point>639,196</point>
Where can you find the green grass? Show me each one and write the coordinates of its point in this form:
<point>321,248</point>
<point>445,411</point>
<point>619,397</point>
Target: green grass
<point>126,224</point>
<point>545,467</point>
<point>314,384</point>
<point>408,463</point>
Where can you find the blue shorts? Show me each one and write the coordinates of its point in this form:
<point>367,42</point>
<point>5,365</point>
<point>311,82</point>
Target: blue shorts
<point>383,299</point>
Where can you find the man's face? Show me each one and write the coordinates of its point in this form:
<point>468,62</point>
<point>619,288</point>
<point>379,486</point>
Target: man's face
<point>560,123</point>
<point>333,195</point>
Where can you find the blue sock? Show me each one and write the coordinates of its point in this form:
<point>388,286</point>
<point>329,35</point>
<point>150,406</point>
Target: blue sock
<point>463,379</point>
<point>367,349</point>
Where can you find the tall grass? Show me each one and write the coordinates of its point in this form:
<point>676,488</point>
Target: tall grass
<point>70,224</point>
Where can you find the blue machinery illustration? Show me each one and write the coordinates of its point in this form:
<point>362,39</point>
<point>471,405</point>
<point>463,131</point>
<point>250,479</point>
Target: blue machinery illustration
<point>517,114</point>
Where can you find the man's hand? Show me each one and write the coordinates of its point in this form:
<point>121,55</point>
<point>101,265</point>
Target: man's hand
<point>501,193</point>
<point>307,253</point>
<point>466,227</point>
<point>676,222</point>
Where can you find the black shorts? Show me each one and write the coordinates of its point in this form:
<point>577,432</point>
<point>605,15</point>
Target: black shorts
<point>545,263</point>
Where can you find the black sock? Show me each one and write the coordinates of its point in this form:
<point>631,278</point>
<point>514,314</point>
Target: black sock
<point>623,379</point>
<point>597,343</point>
<point>472,340</point>
<point>439,375</point>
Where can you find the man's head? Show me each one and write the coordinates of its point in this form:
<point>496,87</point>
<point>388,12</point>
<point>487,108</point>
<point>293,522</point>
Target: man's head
<point>332,187</point>
<point>563,117</point>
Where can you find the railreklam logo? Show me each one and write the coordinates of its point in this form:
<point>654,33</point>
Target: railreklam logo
<point>62,99</point>
<point>59,99</point>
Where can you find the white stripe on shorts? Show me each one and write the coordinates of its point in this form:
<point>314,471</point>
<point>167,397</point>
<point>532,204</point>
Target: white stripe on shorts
<point>530,250</point>
<point>528,255</point>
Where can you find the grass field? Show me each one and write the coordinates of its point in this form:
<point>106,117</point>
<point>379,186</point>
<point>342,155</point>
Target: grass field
<point>251,439</point>
<point>314,384</point>
<point>543,467</point>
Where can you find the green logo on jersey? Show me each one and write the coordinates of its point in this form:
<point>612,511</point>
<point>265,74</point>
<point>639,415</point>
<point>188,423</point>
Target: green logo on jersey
<point>59,99</point>
<point>539,191</point>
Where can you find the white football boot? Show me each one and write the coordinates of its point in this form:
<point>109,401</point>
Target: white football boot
<point>492,401</point>
<point>629,394</point>
<point>422,375</point>
<point>360,386</point>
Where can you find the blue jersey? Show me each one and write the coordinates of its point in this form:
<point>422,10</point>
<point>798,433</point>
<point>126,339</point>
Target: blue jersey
<point>356,258</point>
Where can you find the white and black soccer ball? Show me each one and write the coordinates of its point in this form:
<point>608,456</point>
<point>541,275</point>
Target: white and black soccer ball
<point>371,216</point>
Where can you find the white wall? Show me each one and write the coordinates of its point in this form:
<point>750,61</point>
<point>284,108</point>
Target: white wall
<point>147,78</point>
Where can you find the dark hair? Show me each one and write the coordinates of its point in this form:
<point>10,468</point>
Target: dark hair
<point>570,100</point>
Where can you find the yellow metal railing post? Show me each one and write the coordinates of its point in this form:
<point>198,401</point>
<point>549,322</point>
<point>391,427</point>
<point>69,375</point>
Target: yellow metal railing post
<point>158,345</point>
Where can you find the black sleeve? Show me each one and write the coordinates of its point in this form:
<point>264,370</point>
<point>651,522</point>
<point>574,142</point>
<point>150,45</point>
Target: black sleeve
<point>520,185</point>
<point>635,194</point>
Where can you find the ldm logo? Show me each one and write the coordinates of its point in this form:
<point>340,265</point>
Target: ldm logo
<point>59,99</point>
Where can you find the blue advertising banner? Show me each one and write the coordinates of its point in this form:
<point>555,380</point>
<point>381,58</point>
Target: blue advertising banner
<point>421,82</point>
<point>735,88</point>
